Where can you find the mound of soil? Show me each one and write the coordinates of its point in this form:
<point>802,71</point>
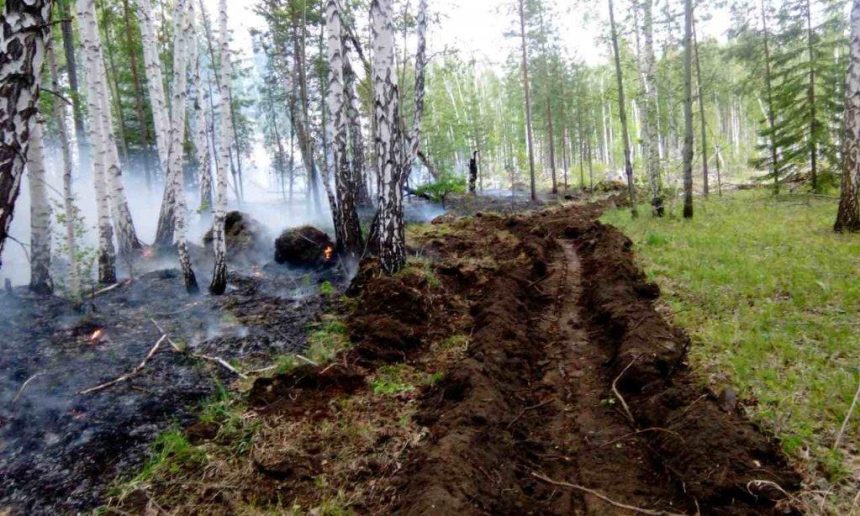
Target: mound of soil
<point>304,246</point>
<point>246,238</point>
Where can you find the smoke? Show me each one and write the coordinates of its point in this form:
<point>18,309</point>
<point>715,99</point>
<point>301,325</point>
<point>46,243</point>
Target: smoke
<point>262,199</point>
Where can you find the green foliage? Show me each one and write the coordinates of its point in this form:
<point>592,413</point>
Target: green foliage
<point>326,288</point>
<point>439,190</point>
<point>770,295</point>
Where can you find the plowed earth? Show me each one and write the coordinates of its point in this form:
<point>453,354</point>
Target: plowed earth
<point>570,394</point>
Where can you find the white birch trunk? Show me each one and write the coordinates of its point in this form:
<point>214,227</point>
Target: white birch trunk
<point>389,144</point>
<point>219,247</point>
<point>74,281</point>
<point>106,250</point>
<point>24,29</point>
<point>181,43</point>
<point>201,140</point>
<point>101,119</point>
<point>154,81</point>
<point>848,217</point>
<point>40,215</point>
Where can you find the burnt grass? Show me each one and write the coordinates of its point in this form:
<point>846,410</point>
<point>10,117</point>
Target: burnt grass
<point>567,380</point>
<point>60,449</point>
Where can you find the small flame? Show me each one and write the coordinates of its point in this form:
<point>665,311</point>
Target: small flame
<point>256,272</point>
<point>148,252</point>
<point>97,336</point>
<point>328,252</point>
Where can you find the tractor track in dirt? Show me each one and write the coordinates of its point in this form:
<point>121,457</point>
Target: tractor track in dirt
<point>543,395</point>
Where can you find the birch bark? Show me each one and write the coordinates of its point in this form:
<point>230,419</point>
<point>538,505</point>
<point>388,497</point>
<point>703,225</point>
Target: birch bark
<point>24,29</point>
<point>40,215</point>
<point>389,143</point>
<point>219,247</point>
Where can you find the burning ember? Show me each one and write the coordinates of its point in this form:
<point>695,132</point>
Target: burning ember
<point>256,272</point>
<point>97,336</point>
<point>148,252</point>
<point>328,252</point>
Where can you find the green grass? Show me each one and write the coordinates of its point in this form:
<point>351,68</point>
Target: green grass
<point>770,296</point>
<point>327,339</point>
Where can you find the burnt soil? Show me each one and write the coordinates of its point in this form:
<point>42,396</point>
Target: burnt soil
<point>541,380</point>
<point>60,449</point>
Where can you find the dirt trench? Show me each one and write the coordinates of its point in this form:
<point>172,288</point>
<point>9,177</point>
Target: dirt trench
<point>572,377</point>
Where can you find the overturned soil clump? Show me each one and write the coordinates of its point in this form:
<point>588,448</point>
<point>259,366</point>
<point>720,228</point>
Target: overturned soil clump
<point>517,367</point>
<point>305,246</point>
<point>247,240</point>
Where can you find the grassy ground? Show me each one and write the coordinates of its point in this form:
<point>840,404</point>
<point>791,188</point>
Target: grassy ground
<point>771,297</point>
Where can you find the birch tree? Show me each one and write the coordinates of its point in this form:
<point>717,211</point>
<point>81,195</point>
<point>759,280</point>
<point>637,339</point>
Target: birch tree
<point>848,216</point>
<point>219,246</point>
<point>622,112</point>
<point>102,125</point>
<point>71,211</point>
<point>24,28</point>
<point>348,228</point>
<point>106,249</point>
<point>40,215</point>
<point>391,243</point>
<point>201,141</point>
<point>160,118</point>
<point>181,44</point>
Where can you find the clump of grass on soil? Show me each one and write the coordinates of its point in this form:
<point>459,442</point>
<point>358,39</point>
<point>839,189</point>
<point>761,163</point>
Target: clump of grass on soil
<point>770,296</point>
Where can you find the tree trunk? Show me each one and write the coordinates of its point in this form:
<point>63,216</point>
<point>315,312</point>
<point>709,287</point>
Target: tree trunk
<point>848,216</point>
<point>810,93</point>
<point>355,133</point>
<point>622,113</point>
<point>201,140</point>
<point>349,241</point>
<point>40,216</point>
<point>688,109</point>
<point>184,16</point>
<point>391,241</point>
<point>126,234</point>
<point>22,50</point>
<point>219,247</point>
<point>528,99</point>
<point>771,115</point>
<point>652,114</point>
<point>71,211</point>
<point>160,118</point>
<point>138,89</point>
<point>106,251</point>
<point>702,121</point>
<point>72,69</point>
<point>551,147</point>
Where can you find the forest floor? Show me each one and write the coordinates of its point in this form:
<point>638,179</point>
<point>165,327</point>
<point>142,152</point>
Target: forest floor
<point>517,365</point>
<point>769,295</point>
<point>62,445</point>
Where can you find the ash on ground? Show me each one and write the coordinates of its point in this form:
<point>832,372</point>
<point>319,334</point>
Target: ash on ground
<point>60,449</point>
